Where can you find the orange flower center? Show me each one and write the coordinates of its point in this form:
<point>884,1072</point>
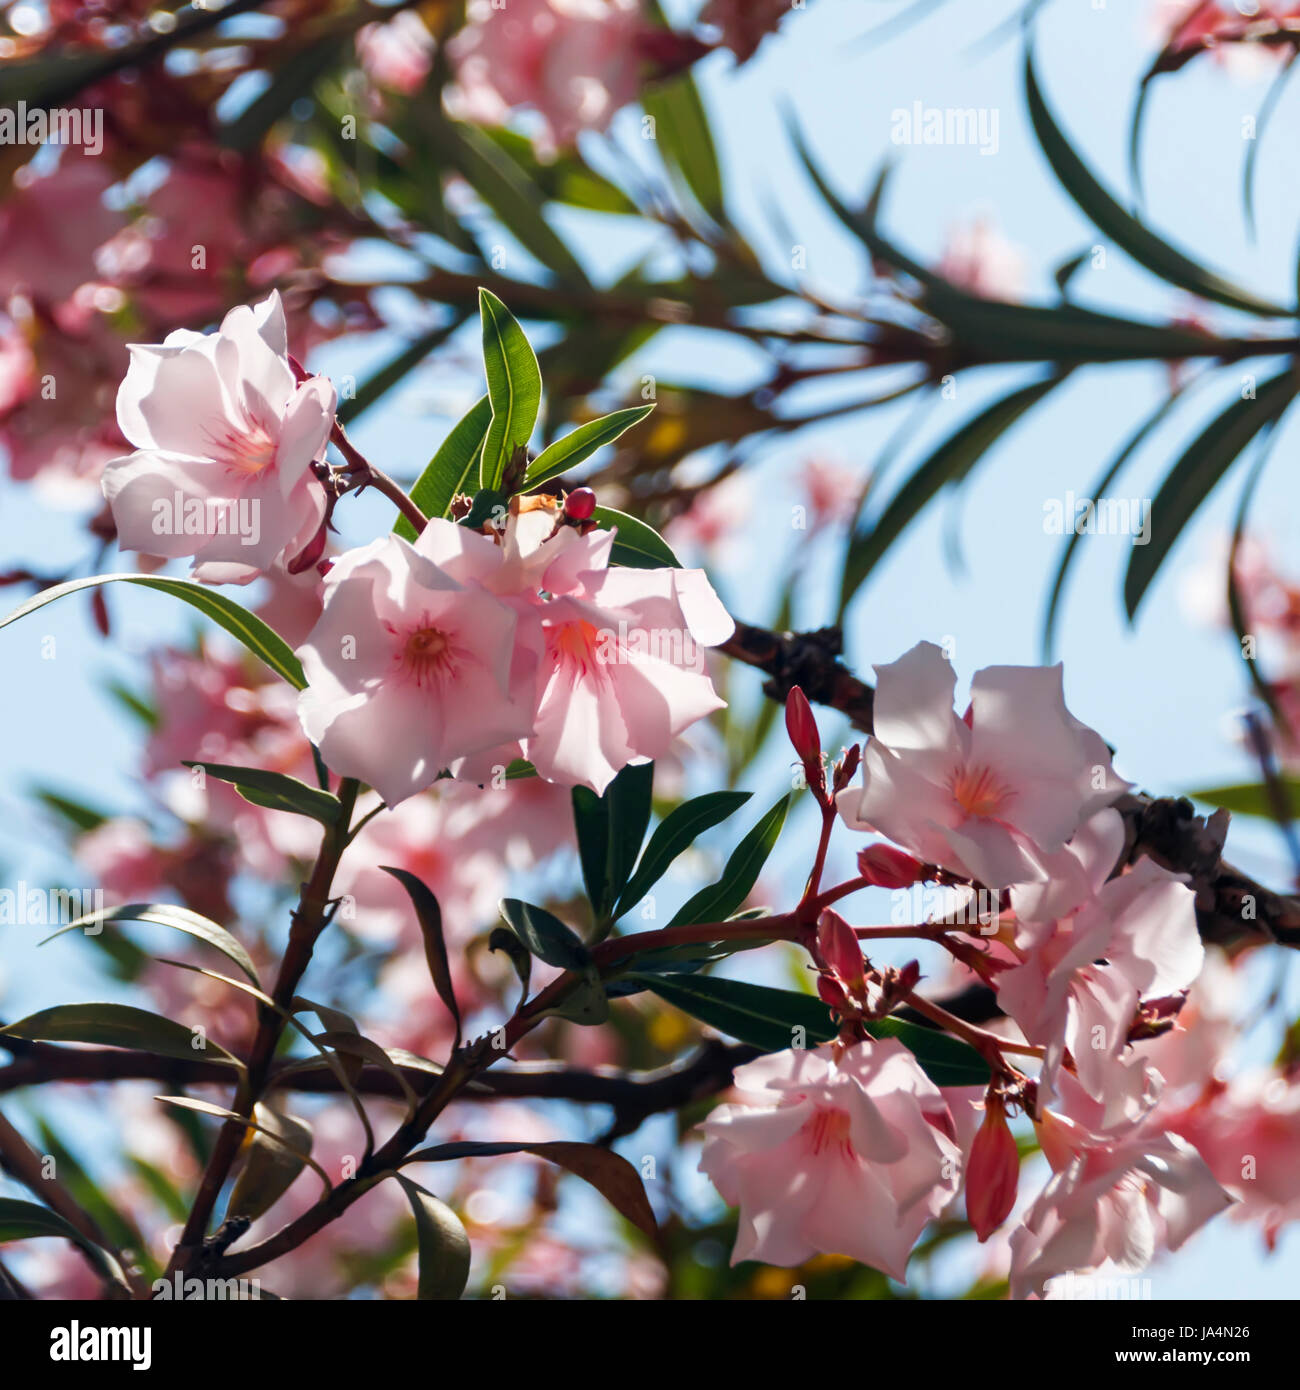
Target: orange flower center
<point>573,646</point>
<point>978,792</point>
<point>828,1130</point>
<point>428,655</point>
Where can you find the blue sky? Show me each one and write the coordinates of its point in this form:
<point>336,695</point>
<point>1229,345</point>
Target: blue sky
<point>1162,692</point>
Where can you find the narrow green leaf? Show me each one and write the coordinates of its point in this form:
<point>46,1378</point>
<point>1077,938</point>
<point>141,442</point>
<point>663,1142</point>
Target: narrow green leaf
<point>453,469</point>
<point>429,915</point>
<point>277,791</point>
<point>117,1025</point>
<point>169,915</point>
<point>949,463</point>
<point>514,387</point>
<point>272,1136</point>
<point>678,830</point>
<point>578,445</point>
<point>1247,798</point>
<point>610,830</point>
<point>545,936</point>
<point>635,544</point>
<point>609,1173</point>
<point>20,1220</point>
<point>1191,480</point>
<point>247,627</point>
<point>444,1246</point>
<point>1132,236</point>
<point>685,141</point>
<point>719,900</point>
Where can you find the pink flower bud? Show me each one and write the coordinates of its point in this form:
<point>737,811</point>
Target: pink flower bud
<point>838,946</point>
<point>992,1172</point>
<point>886,867</point>
<point>802,727</point>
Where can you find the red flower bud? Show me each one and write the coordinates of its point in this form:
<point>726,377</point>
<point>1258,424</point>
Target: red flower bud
<point>580,504</point>
<point>802,727</point>
<point>992,1171</point>
<point>886,867</point>
<point>838,946</point>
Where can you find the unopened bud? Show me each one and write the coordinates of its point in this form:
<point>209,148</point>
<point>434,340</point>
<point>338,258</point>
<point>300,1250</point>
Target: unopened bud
<point>801,725</point>
<point>992,1172</point>
<point>580,504</point>
<point>885,867</point>
<point>837,943</point>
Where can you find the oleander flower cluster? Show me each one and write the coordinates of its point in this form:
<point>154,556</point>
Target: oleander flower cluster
<point>850,1148</point>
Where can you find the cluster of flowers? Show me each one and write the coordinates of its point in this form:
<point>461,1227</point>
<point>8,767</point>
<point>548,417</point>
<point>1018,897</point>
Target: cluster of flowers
<point>851,1148</point>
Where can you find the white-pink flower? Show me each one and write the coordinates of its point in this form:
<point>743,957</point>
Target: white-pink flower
<point>850,1156</point>
<point>407,669</point>
<point>1084,975</point>
<point>225,439</point>
<point>575,62</point>
<point>1114,1206</point>
<point>989,795</point>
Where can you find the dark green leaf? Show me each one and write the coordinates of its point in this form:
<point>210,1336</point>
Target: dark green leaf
<point>685,140</point>
<point>719,900</point>
<point>610,830</point>
<point>949,463</point>
<point>179,919</point>
<point>514,388</point>
<point>636,545</point>
<point>275,1155</point>
<point>21,1220</point>
<point>1149,250</point>
<point>277,791</point>
<point>579,444</point>
<point>117,1025</point>
<point>609,1173</point>
<point>444,1246</point>
<point>1193,477</point>
<point>545,935</point>
<point>678,830</point>
<point>238,621</point>
<point>435,947</point>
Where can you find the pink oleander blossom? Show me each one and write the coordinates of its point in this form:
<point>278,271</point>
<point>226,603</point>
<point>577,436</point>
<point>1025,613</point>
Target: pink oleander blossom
<point>989,795</point>
<point>225,439</point>
<point>850,1156</point>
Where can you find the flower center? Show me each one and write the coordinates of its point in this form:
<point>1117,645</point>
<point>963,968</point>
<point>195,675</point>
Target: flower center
<point>572,646</point>
<point>828,1130</point>
<point>247,453</point>
<point>978,791</point>
<point>428,656</point>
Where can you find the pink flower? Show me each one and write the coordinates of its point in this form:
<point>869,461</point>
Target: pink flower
<point>1084,975</point>
<point>1117,1206</point>
<point>225,441</point>
<point>408,670</point>
<point>398,54</point>
<point>847,1157</point>
<point>989,795</point>
<point>575,62</point>
<point>978,258</point>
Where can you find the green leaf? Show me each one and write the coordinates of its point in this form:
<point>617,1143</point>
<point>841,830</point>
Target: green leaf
<point>949,463</point>
<point>429,915</point>
<point>77,813</point>
<point>563,178</point>
<point>514,388</point>
<point>276,1154</point>
<point>272,1136</point>
<point>277,791</point>
<point>776,1019</point>
<point>247,627</point>
<point>1099,489</point>
<point>678,830</point>
<point>545,936</point>
<point>1248,798</point>
<point>453,469</point>
<point>1191,480</point>
<point>609,1173</point>
<point>578,445</point>
<point>179,919</point>
<point>610,829</point>
<point>444,1246</point>
<point>503,939</point>
<point>719,900</point>
<point>1145,247</point>
<point>116,1025</point>
<point>21,1220</point>
<point>636,545</point>
<point>505,188</point>
<point>685,140</point>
